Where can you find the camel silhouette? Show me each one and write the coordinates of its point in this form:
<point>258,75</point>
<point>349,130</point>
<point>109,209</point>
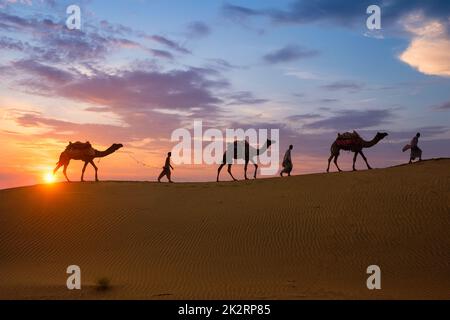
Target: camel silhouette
<point>352,142</point>
<point>243,150</point>
<point>84,152</point>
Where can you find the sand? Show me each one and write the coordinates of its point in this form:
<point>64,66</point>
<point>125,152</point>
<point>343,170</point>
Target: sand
<point>303,237</point>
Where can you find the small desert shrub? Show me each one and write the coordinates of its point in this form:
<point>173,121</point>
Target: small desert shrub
<point>103,284</point>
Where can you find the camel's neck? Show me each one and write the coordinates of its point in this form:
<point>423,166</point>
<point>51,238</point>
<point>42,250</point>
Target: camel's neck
<point>262,149</point>
<point>107,152</point>
<point>371,143</point>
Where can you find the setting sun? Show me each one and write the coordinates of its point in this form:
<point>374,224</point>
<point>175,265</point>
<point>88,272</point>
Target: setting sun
<point>49,178</point>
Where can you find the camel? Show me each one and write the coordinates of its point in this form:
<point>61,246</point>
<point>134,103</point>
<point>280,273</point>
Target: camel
<point>352,142</point>
<point>84,152</point>
<point>243,150</point>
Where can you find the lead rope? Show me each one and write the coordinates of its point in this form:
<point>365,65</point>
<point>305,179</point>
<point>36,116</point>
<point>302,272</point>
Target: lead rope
<point>141,163</point>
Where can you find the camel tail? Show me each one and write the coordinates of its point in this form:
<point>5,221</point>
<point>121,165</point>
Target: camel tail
<point>59,164</point>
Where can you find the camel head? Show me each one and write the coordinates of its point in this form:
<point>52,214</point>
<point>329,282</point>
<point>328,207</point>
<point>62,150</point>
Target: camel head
<point>381,135</point>
<point>116,146</point>
<point>269,143</point>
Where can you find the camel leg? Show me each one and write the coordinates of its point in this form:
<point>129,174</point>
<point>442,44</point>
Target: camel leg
<point>329,161</point>
<point>256,169</point>
<point>95,168</point>
<point>335,162</point>
<point>84,169</point>
<point>245,169</point>
<point>365,159</point>
<point>354,160</point>
<point>65,171</point>
<point>218,171</point>
<point>229,171</point>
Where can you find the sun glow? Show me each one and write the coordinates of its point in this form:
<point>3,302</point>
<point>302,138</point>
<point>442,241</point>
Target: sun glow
<point>49,177</point>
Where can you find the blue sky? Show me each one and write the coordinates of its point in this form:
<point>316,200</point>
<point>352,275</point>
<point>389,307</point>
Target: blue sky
<point>311,69</point>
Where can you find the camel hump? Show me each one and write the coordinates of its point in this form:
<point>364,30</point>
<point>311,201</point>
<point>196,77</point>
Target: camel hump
<point>79,145</point>
<point>348,138</point>
<point>349,135</point>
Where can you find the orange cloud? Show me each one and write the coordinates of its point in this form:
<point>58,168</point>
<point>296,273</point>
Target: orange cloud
<point>429,50</point>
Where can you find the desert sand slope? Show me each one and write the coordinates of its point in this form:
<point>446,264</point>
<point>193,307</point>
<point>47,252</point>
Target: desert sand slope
<point>303,237</point>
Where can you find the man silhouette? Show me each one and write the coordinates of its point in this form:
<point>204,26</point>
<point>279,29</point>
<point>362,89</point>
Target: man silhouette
<point>287,162</point>
<point>166,169</point>
<point>416,152</point>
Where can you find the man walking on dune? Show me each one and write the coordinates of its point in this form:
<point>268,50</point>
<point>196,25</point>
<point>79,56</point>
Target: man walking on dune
<point>166,169</point>
<point>287,162</point>
<point>416,152</point>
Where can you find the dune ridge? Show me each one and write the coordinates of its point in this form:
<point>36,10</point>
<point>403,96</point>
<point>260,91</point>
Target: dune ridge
<point>303,237</point>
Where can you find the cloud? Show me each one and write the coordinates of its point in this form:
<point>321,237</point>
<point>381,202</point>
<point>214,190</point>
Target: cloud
<point>244,97</point>
<point>198,29</point>
<point>300,117</point>
<point>7,43</point>
<point>115,28</point>
<point>289,53</point>
<point>222,64</point>
<point>429,50</point>
<point>146,97</point>
<point>239,15</point>
<point>51,41</point>
<point>11,22</point>
<point>66,130</point>
<point>168,43</point>
<point>343,85</point>
<point>141,126</point>
<point>238,12</point>
<point>136,89</point>
<point>352,119</point>
<point>344,13</point>
<point>43,72</point>
<point>161,53</point>
<point>425,132</point>
<point>304,75</point>
<point>135,96</point>
<point>27,2</point>
<point>328,100</point>
<point>443,106</point>
<point>5,3</point>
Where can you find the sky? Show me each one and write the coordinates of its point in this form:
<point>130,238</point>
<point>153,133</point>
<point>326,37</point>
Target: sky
<point>139,69</point>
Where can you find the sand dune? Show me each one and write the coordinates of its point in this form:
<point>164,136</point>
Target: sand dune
<point>303,237</point>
